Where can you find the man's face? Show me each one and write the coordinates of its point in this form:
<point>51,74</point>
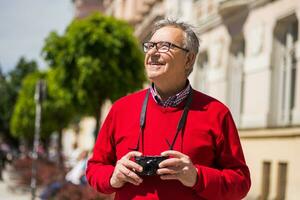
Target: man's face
<point>168,67</point>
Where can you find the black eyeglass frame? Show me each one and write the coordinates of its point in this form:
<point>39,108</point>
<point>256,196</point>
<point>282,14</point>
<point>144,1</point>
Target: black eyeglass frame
<point>163,44</point>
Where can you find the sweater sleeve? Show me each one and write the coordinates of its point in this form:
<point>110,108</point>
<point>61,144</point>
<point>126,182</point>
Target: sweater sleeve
<point>101,165</point>
<point>230,180</point>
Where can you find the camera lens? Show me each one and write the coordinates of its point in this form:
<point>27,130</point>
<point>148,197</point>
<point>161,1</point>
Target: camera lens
<point>150,168</point>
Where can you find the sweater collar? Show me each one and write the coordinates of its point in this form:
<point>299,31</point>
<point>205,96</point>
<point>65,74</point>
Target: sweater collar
<point>172,101</point>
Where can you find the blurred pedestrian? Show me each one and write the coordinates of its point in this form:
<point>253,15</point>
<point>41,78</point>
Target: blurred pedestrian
<point>75,176</point>
<point>72,159</point>
<point>5,152</point>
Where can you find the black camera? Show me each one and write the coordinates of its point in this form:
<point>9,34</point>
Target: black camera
<point>149,164</point>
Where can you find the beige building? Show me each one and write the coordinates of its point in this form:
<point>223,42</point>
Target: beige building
<point>250,60</point>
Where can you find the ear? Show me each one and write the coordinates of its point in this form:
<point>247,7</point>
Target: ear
<point>190,60</point>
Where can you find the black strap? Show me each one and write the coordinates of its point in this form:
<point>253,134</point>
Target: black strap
<point>182,119</point>
<point>143,112</point>
<point>180,126</point>
<point>142,123</point>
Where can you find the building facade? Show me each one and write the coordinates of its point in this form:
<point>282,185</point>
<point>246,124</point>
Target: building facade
<point>250,60</point>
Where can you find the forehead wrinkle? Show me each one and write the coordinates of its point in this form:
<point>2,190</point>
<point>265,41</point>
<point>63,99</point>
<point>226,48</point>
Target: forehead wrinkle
<point>169,34</point>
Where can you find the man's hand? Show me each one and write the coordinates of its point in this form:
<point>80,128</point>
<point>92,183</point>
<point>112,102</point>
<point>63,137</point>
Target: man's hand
<point>124,171</point>
<point>179,167</point>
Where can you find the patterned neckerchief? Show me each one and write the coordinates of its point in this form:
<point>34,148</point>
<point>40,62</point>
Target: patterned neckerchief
<point>172,101</point>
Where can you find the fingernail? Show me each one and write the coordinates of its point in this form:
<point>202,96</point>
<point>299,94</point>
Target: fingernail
<point>138,183</point>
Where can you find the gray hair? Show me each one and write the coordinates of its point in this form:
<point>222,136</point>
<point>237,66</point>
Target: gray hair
<point>191,40</point>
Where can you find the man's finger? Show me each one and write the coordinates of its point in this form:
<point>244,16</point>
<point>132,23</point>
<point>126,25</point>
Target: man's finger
<point>131,154</point>
<point>171,162</point>
<point>169,177</point>
<point>129,174</point>
<point>124,170</point>
<point>173,153</point>
<point>133,165</point>
<point>133,181</point>
<point>167,171</point>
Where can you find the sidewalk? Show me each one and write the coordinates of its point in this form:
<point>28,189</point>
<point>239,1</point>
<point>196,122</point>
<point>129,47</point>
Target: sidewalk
<point>9,193</point>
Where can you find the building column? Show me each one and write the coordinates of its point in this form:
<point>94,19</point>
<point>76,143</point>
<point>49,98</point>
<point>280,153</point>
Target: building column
<point>296,110</point>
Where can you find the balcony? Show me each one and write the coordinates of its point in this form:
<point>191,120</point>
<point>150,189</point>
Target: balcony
<point>229,7</point>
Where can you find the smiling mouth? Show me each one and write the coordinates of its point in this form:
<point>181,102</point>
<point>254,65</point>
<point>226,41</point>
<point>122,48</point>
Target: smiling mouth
<point>155,63</point>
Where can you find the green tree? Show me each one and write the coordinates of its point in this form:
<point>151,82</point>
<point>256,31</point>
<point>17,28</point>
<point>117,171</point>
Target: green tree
<point>57,109</point>
<point>5,103</point>
<point>22,121</point>
<point>22,69</point>
<point>9,87</point>
<point>99,58</point>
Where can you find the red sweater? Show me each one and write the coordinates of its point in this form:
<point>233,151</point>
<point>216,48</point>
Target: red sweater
<point>209,138</point>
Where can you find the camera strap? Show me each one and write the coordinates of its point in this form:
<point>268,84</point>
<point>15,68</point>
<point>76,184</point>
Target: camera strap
<point>180,125</point>
<point>142,123</point>
<point>182,120</point>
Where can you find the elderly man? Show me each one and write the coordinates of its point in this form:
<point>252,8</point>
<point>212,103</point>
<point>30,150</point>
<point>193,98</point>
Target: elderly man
<point>169,141</point>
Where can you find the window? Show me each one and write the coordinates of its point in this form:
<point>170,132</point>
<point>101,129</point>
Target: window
<point>281,181</point>
<point>284,70</point>
<point>266,179</point>
<point>200,70</point>
<point>235,78</point>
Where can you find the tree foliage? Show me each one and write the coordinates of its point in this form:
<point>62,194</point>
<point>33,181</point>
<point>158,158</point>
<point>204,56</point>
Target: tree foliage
<point>22,69</point>
<point>57,109</point>
<point>98,58</point>
<point>5,103</point>
<point>9,87</point>
<point>22,122</point>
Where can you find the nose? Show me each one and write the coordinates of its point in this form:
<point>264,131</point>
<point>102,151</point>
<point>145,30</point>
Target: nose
<point>153,53</point>
<point>154,56</point>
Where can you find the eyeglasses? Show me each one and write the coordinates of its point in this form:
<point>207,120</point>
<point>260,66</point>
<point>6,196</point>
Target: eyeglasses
<point>161,47</point>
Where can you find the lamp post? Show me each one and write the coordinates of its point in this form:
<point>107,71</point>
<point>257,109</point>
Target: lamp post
<point>39,96</point>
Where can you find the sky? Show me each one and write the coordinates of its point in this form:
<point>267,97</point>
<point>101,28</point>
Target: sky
<point>24,24</point>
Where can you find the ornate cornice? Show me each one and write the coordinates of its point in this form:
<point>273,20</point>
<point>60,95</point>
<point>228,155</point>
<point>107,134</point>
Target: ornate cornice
<point>142,28</point>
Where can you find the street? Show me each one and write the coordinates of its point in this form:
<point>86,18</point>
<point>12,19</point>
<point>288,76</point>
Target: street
<point>9,193</point>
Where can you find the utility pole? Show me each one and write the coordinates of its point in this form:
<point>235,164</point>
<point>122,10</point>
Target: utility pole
<point>39,96</point>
